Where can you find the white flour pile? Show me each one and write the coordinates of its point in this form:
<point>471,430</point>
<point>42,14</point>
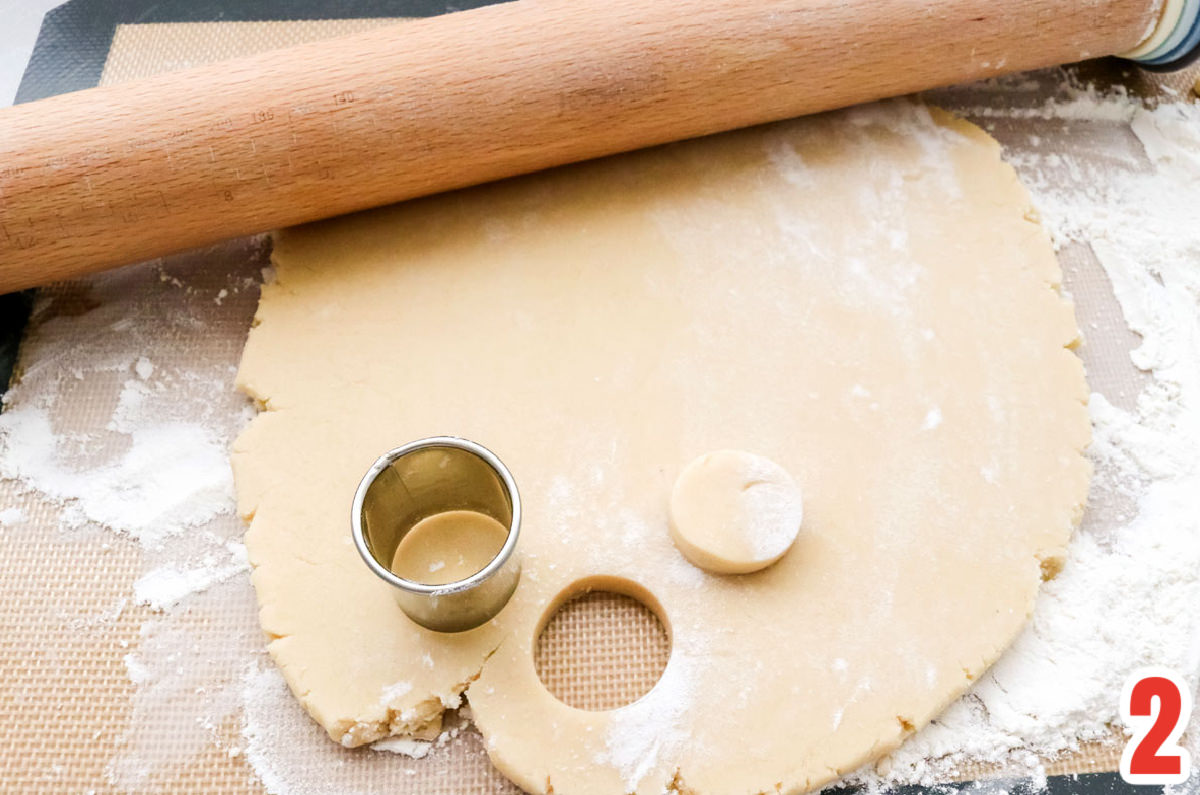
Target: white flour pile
<point>160,464</point>
<point>1103,171</point>
<point>122,422</point>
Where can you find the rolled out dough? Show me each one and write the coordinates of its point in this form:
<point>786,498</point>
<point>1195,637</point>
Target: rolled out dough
<point>865,297</point>
<point>734,512</point>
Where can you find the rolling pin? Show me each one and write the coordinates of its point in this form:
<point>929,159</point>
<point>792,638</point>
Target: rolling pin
<point>113,175</point>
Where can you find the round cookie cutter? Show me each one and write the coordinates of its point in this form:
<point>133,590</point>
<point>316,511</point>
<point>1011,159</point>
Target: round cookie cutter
<point>427,477</point>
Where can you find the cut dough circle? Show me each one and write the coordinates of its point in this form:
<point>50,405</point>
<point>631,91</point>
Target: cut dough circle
<point>863,297</point>
<point>734,512</point>
<point>448,547</point>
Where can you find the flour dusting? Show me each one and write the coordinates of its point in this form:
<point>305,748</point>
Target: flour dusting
<point>652,730</point>
<point>116,436</point>
<point>168,585</point>
<point>173,475</point>
<point>414,749</point>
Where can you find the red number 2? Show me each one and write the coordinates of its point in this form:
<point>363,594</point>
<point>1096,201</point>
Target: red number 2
<point>1153,755</point>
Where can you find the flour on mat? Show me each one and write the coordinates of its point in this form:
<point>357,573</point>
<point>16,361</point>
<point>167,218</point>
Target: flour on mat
<point>119,428</point>
<point>414,749</point>
<point>155,470</point>
<point>169,584</point>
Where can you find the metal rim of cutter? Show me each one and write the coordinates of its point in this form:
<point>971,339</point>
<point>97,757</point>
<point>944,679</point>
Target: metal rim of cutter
<point>434,602</point>
<point>1175,43</point>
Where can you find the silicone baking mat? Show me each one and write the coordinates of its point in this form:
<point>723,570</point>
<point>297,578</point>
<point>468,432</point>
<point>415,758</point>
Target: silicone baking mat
<point>71,716</point>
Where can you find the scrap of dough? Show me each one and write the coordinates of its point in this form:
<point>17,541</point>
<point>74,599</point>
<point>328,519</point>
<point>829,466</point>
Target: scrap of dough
<point>816,291</point>
<point>734,512</point>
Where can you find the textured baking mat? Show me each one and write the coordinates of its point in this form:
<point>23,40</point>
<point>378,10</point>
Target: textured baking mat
<point>101,693</point>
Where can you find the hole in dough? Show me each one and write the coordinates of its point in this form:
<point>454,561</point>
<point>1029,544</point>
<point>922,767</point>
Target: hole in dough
<point>603,644</point>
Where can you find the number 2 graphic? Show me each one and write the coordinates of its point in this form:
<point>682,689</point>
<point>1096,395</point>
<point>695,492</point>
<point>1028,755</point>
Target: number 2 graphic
<point>1156,705</point>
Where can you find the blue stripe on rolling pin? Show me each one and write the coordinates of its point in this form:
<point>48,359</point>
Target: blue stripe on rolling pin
<point>1181,46</point>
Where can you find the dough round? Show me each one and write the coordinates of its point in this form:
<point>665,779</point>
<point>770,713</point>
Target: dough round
<point>734,512</point>
<point>864,297</point>
<point>448,547</point>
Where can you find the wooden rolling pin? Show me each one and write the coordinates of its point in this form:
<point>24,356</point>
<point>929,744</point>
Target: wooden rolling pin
<point>113,175</point>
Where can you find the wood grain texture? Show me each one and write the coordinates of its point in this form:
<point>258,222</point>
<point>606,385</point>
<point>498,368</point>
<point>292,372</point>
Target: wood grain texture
<point>113,175</point>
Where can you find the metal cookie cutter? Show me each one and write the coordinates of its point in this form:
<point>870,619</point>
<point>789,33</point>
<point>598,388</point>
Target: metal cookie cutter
<point>424,478</point>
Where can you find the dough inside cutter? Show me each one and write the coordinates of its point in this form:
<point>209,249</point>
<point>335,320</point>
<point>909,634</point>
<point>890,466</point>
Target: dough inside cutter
<point>448,547</point>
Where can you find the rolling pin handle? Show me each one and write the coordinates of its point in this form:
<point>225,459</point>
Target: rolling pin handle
<point>1175,41</point>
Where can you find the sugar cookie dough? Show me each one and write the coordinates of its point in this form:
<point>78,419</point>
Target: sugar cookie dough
<point>815,291</point>
<point>734,512</point>
<point>448,547</point>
